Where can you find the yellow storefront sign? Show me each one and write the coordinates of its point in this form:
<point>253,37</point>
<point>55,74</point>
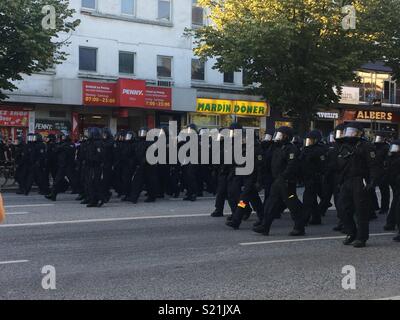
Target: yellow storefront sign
<point>245,108</point>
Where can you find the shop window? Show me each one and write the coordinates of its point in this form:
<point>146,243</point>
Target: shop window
<point>164,67</point>
<point>197,14</point>
<point>164,10</point>
<point>202,120</point>
<point>198,68</point>
<point>89,4</point>
<point>126,62</point>
<point>249,122</point>
<point>128,7</point>
<point>229,77</point>
<point>88,59</point>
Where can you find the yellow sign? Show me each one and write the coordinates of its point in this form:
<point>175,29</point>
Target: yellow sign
<point>279,124</point>
<point>244,108</point>
<point>374,115</point>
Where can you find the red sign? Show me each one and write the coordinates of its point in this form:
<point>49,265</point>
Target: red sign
<point>131,93</point>
<point>99,93</point>
<point>127,93</point>
<point>158,98</point>
<point>13,118</point>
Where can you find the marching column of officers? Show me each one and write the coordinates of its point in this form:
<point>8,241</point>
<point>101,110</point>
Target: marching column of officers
<point>346,168</point>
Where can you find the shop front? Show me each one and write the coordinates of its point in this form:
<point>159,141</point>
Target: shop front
<point>46,127</point>
<point>216,113</point>
<point>15,122</point>
<point>123,105</point>
<point>325,121</point>
<point>375,121</point>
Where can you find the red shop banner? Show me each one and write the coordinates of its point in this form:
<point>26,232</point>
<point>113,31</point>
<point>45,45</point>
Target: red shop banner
<point>99,93</point>
<point>127,93</point>
<point>13,118</point>
<point>158,98</point>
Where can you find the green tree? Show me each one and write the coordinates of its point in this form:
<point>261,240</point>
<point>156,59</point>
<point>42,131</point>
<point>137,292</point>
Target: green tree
<point>25,46</point>
<point>297,50</point>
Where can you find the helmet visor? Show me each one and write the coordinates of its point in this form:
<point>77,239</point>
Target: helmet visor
<point>142,133</point>
<point>339,134</point>
<point>268,137</point>
<point>128,136</point>
<point>332,138</point>
<point>351,132</point>
<point>394,148</point>
<point>279,136</point>
<point>379,139</point>
<point>309,142</point>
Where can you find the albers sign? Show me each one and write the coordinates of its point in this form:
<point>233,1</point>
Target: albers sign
<point>374,115</point>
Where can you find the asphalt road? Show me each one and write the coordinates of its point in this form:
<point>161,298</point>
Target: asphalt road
<point>174,250</point>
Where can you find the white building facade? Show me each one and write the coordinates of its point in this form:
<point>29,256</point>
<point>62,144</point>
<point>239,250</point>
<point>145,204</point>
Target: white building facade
<point>130,47</point>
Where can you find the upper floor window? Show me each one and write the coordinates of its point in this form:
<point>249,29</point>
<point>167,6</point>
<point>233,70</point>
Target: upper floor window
<point>89,4</point>
<point>164,67</point>
<point>87,59</point>
<point>126,62</point>
<point>197,14</point>
<point>128,7</point>
<point>229,77</point>
<point>198,70</point>
<point>164,10</point>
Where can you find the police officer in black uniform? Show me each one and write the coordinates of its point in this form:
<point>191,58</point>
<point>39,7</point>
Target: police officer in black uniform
<point>117,159</point>
<point>313,162</point>
<point>285,167</point>
<point>359,173</point>
<point>66,153</point>
<point>393,177</point>
<point>382,152</point>
<point>243,190</point>
<point>52,155</point>
<point>108,142</point>
<point>128,164</point>
<point>145,175</point>
<point>95,163</point>
<point>20,165</point>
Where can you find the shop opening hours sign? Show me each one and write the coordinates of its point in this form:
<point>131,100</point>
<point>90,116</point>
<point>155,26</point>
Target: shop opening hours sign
<point>10,118</point>
<point>126,93</point>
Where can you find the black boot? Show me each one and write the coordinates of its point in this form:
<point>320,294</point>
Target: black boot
<point>262,230</point>
<point>80,197</point>
<point>397,238</point>
<point>85,201</point>
<point>217,214</point>
<point>190,198</point>
<point>360,244</point>
<point>339,227</point>
<point>297,233</point>
<point>232,225</point>
<point>92,205</point>
<point>51,196</point>
<point>349,240</point>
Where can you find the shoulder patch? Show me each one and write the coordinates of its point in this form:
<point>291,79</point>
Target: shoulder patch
<point>323,158</point>
<point>98,150</point>
<point>291,156</point>
<point>372,154</point>
<point>260,157</point>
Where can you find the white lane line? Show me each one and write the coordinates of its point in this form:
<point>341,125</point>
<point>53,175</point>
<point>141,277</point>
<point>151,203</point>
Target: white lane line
<point>51,223</point>
<point>308,239</point>
<point>28,205</point>
<point>13,262</point>
<point>391,298</point>
<point>16,213</point>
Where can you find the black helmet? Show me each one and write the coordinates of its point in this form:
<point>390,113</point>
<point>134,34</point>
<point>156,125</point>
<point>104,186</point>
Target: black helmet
<point>283,134</point>
<point>354,130</point>
<point>193,127</point>
<point>94,133</point>
<point>107,134</point>
<point>313,137</point>
<point>380,138</point>
<point>129,136</point>
<point>395,146</point>
<point>32,137</point>
<point>143,132</point>
<point>339,131</point>
<point>269,136</point>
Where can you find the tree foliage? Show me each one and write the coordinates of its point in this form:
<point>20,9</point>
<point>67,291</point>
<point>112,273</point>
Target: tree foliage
<point>25,46</point>
<point>297,50</point>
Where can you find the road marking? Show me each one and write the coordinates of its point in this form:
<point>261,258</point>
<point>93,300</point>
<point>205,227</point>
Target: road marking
<point>308,239</point>
<point>198,198</point>
<point>391,298</point>
<point>16,213</point>
<point>28,206</point>
<point>13,262</point>
<point>51,223</point>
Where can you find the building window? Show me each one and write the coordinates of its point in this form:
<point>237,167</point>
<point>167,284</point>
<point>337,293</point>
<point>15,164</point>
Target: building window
<point>87,59</point>
<point>127,62</point>
<point>198,67</point>
<point>164,67</point>
<point>164,10</point>
<point>128,7</point>
<point>197,14</point>
<point>89,4</point>
<point>229,77</point>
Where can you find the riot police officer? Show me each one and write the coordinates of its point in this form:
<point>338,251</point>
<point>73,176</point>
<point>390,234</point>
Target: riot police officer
<point>393,177</point>
<point>108,143</point>
<point>285,167</point>
<point>359,173</point>
<point>313,161</point>
<point>145,174</point>
<point>128,164</point>
<point>95,161</point>
<point>382,151</point>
